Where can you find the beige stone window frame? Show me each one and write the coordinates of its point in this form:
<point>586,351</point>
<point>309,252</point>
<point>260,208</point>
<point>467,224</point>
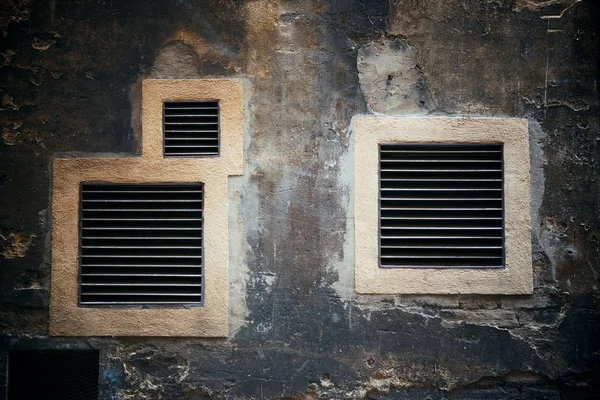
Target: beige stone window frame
<point>515,278</point>
<point>209,320</point>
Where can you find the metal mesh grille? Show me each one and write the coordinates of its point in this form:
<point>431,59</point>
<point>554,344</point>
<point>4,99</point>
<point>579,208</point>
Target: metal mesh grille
<point>53,375</point>
<point>441,205</point>
<point>141,244</point>
<point>191,128</point>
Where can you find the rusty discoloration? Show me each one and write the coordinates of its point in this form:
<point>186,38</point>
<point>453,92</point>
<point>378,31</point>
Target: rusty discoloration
<point>16,244</point>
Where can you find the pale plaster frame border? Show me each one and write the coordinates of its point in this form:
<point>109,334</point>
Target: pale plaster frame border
<point>515,278</point>
<point>210,320</point>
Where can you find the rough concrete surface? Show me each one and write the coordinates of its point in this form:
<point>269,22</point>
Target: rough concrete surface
<point>390,78</point>
<point>70,76</point>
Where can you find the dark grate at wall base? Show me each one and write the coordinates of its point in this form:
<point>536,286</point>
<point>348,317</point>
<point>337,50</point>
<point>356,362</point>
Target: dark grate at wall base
<point>191,128</point>
<point>141,244</point>
<point>441,205</point>
<point>53,374</point>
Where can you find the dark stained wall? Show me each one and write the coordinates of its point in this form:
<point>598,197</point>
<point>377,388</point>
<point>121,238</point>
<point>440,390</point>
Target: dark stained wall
<point>70,74</point>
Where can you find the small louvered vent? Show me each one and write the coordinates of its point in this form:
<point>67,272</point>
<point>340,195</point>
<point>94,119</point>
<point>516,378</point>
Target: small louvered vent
<point>441,205</point>
<point>191,128</point>
<point>141,244</point>
<point>53,374</point>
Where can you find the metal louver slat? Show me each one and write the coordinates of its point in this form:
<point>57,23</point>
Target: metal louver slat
<point>441,205</point>
<point>144,247</point>
<point>191,128</point>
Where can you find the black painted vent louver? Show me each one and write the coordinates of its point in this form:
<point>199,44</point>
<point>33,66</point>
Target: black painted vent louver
<point>441,205</point>
<point>53,374</point>
<point>191,128</point>
<point>141,244</point>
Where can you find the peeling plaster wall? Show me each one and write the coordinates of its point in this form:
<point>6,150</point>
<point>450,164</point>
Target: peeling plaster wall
<point>391,80</point>
<point>70,76</point>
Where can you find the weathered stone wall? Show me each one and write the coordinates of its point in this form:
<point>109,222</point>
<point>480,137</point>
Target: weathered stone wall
<point>70,76</point>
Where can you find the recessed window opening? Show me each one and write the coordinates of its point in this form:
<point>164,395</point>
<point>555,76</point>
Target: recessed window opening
<point>141,244</point>
<point>441,205</point>
<point>53,374</point>
<point>191,128</point>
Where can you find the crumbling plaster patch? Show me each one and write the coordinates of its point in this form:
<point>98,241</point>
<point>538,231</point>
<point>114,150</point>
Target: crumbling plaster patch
<point>13,133</point>
<point>16,244</point>
<point>536,5</point>
<point>390,78</point>
<point>14,11</point>
<point>176,59</point>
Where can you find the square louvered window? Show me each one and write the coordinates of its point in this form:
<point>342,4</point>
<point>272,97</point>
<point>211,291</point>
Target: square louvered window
<point>441,205</point>
<point>53,374</point>
<point>191,128</point>
<point>141,244</point>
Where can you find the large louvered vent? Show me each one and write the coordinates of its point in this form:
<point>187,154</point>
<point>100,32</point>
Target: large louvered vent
<point>191,128</point>
<point>141,244</point>
<point>441,205</point>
